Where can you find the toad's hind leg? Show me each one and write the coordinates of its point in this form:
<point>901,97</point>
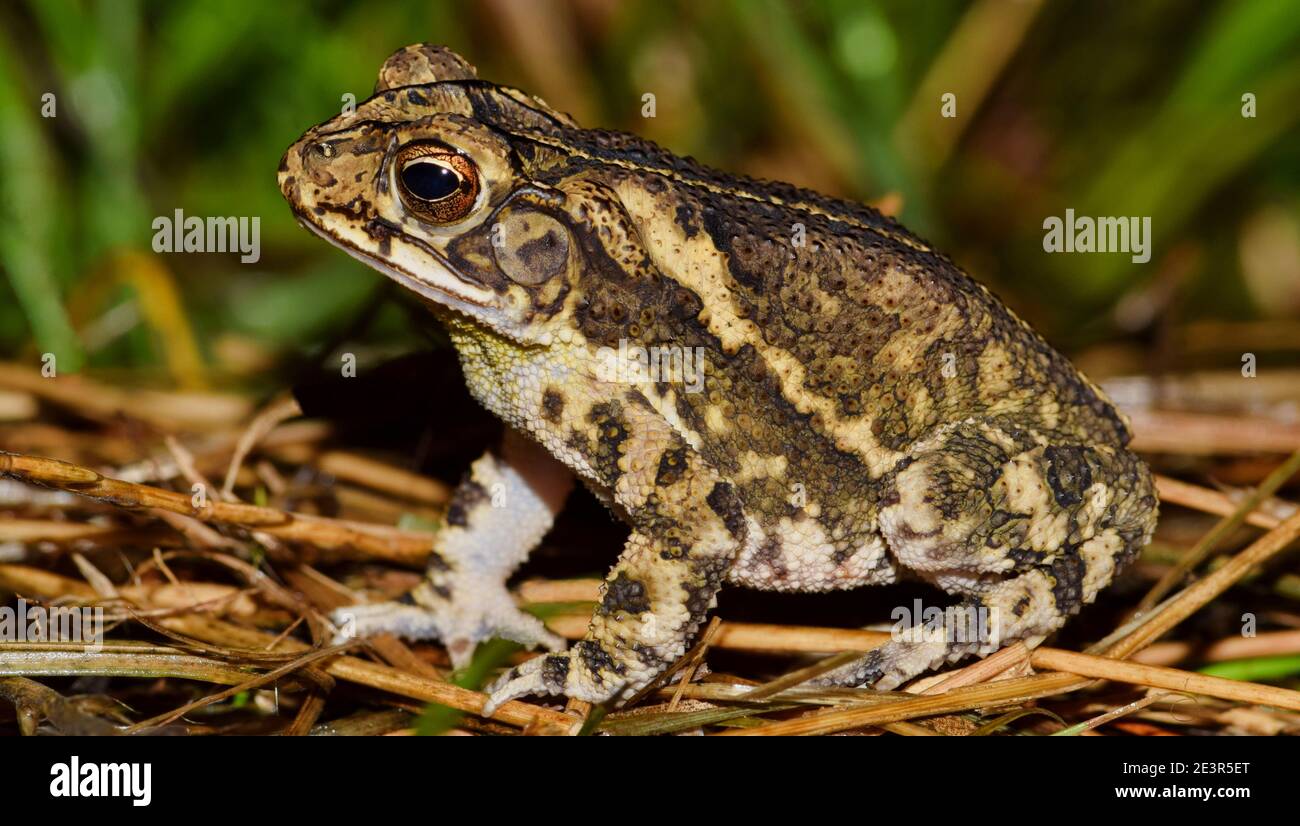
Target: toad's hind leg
<point>1025,527</point>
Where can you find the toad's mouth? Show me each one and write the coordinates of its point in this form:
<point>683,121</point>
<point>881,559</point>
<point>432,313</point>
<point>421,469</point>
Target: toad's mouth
<point>438,282</point>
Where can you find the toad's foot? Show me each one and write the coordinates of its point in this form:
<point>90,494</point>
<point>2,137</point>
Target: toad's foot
<point>581,673</point>
<point>476,615</point>
<point>500,511</point>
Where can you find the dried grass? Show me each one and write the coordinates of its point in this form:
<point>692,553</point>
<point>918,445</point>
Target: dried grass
<point>209,590</point>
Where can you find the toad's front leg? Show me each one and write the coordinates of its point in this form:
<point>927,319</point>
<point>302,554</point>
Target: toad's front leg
<point>463,599</point>
<point>688,527</point>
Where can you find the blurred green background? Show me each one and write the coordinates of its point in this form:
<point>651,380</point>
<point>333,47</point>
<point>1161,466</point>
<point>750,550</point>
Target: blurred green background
<point>1109,108</point>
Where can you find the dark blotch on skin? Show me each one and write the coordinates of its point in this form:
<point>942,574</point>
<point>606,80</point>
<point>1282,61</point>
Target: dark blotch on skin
<point>437,563</point>
<point>671,466</point>
<point>1068,571</point>
<point>382,232</point>
<point>871,669</point>
<point>468,495</point>
<point>769,554</point>
<point>1025,558</point>
<point>1068,474</point>
<point>865,672</point>
<point>698,598</point>
<point>727,505</point>
<point>648,657</point>
<point>552,405</point>
<point>686,220</point>
<point>951,503</point>
<point>545,256</point>
<point>1001,517</point>
<point>596,660</point>
<point>625,595</point>
<point>555,671</point>
<point>611,431</point>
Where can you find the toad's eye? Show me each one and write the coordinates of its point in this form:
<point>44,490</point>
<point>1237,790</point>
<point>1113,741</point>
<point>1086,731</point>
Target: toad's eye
<point>438,184</point>
<point>429,180</point>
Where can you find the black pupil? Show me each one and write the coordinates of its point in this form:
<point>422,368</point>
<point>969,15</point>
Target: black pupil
<point>429,181</point>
